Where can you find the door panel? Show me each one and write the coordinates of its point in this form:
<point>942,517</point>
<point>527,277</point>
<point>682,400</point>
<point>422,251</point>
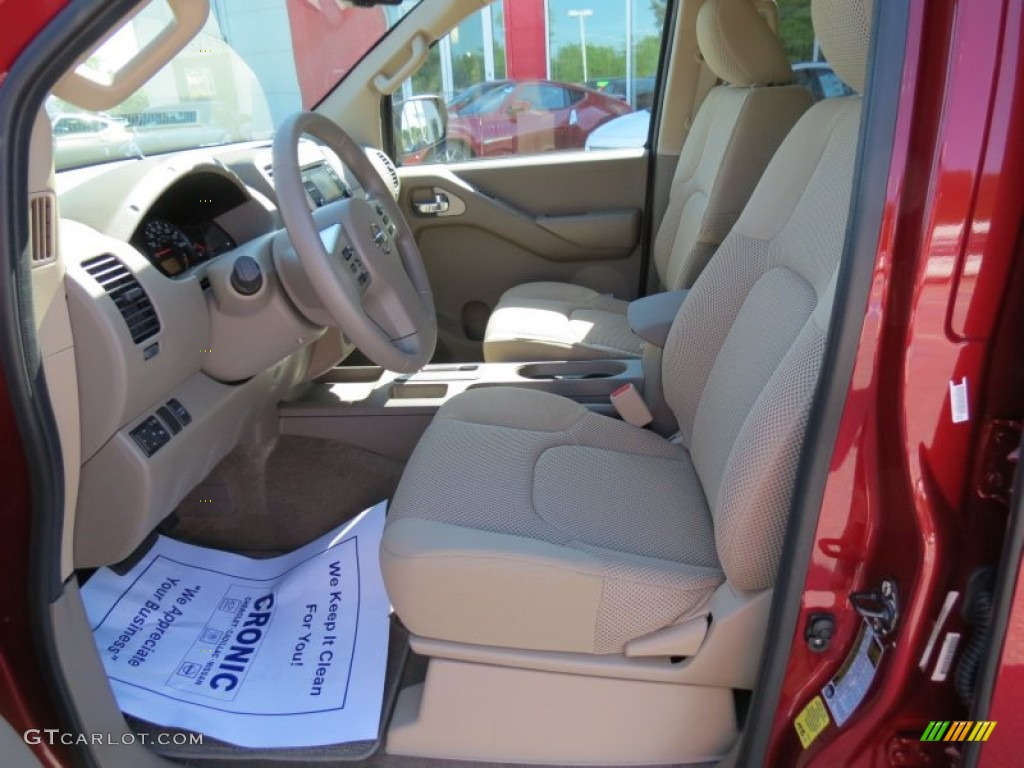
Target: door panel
<point>572,217</point>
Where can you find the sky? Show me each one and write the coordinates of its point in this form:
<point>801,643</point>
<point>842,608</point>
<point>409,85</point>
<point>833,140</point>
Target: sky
<point>607,25</point>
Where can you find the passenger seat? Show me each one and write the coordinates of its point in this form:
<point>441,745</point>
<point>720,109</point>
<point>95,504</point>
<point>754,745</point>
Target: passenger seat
<point>736,132</point>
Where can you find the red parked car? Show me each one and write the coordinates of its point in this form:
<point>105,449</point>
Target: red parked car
<point>526,117</point>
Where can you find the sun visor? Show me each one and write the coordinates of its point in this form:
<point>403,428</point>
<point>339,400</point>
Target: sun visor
<point>90,90</point>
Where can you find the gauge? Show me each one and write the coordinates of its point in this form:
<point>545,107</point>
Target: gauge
<point>169,247</point>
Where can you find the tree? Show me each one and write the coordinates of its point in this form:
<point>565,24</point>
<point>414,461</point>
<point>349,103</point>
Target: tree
<point>467,69</point>
<point>646,53</point>
<point>603,61</point>
<point>427,79</point>
<point>659,8</point>
<point>795,29</point>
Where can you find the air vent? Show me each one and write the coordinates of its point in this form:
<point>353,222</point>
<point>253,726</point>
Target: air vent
<point>386,169</point>
<point>130,298</point>
<point>43,233</point>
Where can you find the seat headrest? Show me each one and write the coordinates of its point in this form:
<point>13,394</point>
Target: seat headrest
<point>739,46</point>
<point>843,28</point>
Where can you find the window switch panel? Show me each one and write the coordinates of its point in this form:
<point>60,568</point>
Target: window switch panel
<point>151,435</point>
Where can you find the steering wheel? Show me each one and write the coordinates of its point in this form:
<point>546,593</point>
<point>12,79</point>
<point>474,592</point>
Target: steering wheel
<point>369,276</point>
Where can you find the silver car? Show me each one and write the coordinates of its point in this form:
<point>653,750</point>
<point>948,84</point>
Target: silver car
<point>81,139</point>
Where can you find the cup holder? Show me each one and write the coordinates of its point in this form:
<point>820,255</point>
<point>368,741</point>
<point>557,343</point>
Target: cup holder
<point>354,374</point>
<point>583,369</point>
<point>418,391</point>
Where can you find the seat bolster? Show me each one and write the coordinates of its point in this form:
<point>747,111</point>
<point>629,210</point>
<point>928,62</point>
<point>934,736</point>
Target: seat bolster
<point>454,583</point>
<point>515,408</point>
<point>558,321</point>
<point>563,293</point>
<point>522,350</point>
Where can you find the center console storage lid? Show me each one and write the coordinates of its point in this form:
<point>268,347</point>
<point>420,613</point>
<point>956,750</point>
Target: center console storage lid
<point>651,317</point>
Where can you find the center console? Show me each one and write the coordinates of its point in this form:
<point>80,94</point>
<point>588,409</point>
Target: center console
<point>386,412</point>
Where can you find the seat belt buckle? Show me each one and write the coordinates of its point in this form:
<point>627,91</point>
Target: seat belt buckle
<point>631,406</point>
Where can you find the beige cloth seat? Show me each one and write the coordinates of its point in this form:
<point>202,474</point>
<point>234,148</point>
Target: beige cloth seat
<point>558,321</point>
<point>524,520</point>
<point>737,130</point>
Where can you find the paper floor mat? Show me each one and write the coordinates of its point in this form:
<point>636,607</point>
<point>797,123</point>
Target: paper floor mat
<point>284,652</point>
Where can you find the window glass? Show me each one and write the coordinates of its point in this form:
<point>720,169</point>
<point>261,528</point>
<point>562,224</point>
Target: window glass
<point>488,101</point>
<point>796,31</point>
<point>797,36</point>
<point>545,98</point>
<point>505,74</point>
<point>253,64</point>
<point>831,85</point>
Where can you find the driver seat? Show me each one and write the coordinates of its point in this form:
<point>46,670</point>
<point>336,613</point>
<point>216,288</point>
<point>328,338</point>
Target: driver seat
<point>524,520</point>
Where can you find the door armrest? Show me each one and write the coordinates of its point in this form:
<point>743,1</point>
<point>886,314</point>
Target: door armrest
<point>651,317</point>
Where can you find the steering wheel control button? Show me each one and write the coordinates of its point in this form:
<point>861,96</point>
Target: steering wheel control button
<point>347,253</point>
<point>246,276</point>
<point>380,237</point>
<point>150,435</point>
<point>179,411</point>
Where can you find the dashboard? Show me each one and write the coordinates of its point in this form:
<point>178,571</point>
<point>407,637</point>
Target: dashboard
<point>180,229</point>
<point>323,184</point>
<point>151,248</point>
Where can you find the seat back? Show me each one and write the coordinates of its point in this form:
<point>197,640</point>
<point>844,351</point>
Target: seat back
<point>743,356</point>
<point>737,130</point>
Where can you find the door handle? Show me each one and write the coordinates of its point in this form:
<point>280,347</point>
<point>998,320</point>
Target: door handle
<point>439,204</point>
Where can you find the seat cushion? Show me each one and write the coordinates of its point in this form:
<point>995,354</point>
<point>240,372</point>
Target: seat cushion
<point>523,520</point>
<point>558,321</point>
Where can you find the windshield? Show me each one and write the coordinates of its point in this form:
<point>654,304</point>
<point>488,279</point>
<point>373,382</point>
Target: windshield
<point>253,65</point>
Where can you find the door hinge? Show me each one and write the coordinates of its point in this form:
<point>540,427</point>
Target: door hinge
<point>999,456</point>
<point>879,607</point>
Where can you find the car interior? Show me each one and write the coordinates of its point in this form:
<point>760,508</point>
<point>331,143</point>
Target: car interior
<point>570,584</point>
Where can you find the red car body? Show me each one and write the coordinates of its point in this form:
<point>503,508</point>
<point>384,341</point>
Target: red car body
<point>906,493</point>
<point>530,116</point>
<point>909,494</point>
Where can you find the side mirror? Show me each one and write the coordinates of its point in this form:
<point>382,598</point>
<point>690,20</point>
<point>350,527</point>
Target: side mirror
<point>421,126</point>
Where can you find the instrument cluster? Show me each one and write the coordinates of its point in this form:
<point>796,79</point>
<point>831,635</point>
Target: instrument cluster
<point>180,230</point>
<point>174,249</point>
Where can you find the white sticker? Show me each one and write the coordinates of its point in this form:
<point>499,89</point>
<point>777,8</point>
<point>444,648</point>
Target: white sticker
<point>848,688</point>
<point>949,646</point>
<point>958,401</point>
<point>947,606</point>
